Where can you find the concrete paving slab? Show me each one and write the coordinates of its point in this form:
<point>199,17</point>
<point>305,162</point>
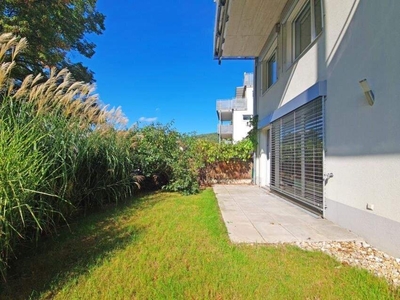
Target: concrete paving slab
<point>243,232</point>
<point>235,217</point>
<point>261,216</point>
<point>253,215</point>
<point>335,232</point>
<point>289,219</point>
<point>274,233</point>
<point>305,233</point>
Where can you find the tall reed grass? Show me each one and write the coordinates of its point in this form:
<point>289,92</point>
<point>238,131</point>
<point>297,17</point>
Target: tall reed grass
<point>60,151</point>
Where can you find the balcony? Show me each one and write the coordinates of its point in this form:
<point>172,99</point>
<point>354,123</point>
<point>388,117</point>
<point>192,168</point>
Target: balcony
<point>225,131</point>
<point>225,108</point>
<point>232,104</point>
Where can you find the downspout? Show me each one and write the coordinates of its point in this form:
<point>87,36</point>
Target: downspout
<point>255,161</point>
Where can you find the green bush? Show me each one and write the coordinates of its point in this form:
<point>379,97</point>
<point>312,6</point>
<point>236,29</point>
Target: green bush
<point>168,157</point>
<point>213,152</point>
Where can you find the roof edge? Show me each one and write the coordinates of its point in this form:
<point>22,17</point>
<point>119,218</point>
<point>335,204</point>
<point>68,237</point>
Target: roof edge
<point>221,17</point>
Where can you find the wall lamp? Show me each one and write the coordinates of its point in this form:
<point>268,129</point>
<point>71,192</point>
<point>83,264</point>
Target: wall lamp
<point>369,96</point>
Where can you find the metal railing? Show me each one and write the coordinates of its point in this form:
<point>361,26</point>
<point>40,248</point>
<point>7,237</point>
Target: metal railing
<point>233,104</point>
<point>225,129</point>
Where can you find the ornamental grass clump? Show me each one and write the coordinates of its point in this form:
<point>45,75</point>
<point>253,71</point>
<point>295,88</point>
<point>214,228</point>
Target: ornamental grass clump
<point>61,151</point>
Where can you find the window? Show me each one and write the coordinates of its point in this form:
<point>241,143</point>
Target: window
<point>297,155</point>
<point>307,26</point>
<point>246,117</point>
<point>270,71</point>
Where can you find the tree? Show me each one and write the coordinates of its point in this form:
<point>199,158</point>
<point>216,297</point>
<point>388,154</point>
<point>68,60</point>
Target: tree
<point>53,28</point>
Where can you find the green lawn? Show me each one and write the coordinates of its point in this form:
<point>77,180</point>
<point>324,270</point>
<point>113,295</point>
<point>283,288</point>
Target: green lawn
<point>168,246</point>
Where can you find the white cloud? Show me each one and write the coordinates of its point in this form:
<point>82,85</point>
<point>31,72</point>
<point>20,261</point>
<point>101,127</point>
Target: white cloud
<point>147,120</point>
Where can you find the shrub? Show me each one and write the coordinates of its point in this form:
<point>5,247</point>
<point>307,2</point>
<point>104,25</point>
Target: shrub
<point>167,157</point>
<point>219,160</point>
<point>214,152</point>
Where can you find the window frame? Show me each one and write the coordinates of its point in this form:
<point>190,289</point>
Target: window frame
<point>265,69</point>
<point>269,73</point>
<point>247,117</point>
<point>288,33</point>
<point>314,35</point>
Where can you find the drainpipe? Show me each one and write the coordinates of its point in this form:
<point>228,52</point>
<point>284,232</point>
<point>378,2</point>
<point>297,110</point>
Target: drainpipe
<point>255,111</point>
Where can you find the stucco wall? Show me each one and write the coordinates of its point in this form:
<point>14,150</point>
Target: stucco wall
<point>240,126</point>
<point>361,39</point>
<point>262,160</point>
<point>363,141</point>
<point>294,76</point>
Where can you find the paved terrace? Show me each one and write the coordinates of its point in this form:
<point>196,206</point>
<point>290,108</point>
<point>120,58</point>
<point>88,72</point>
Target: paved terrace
<point>253,215</point>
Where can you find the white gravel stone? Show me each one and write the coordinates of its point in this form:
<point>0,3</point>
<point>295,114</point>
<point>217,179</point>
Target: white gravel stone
<point>360,254</point>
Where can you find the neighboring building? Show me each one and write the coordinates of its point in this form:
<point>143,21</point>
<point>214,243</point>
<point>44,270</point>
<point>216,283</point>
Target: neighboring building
<point>323,142</point>
<point>234,115</point>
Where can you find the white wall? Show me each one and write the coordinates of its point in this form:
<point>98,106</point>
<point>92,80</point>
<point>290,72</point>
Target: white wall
<point>363,141</point>
<point>294,76</point>
<point>263,159</point>
<point>361,39</point>
<point>240,126</point>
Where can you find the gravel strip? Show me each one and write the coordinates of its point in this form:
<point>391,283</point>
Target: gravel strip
<point>359,254</point>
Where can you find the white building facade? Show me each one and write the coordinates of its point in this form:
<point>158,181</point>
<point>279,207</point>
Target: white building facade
<point>234,115</point>
<point>328,105</point>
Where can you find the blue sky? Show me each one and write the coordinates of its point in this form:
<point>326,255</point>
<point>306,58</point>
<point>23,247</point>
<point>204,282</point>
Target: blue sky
<point>155,60</point>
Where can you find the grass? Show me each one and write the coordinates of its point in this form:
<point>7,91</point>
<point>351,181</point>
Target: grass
<point>169,246</point>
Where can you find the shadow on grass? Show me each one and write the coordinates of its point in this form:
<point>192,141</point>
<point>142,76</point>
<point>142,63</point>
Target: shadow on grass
<point>74,251</point>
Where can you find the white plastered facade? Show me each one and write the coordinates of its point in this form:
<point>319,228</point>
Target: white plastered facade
<point>241,124</point>
<point>236,112</point>
<point>360,40</point>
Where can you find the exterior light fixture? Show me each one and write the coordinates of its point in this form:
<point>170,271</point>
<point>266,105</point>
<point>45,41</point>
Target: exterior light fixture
<point>369,96</point>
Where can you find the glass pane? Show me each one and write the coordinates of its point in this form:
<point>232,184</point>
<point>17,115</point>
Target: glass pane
<point>272,70</point>
<point>284,43</point>
<point>302,28</point>
<point>264,75</point>
<point>318,16</point>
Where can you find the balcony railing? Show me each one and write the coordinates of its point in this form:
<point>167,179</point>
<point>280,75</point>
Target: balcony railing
<point>233,104</point>
<point>225,129</point>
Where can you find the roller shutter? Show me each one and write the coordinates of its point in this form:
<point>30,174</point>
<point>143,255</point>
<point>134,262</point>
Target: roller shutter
<point>297,155</point>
